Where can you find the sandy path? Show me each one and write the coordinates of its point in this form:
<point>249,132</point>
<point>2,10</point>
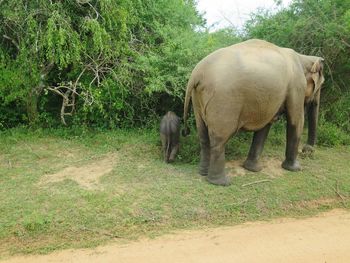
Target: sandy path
<point>325,238</point>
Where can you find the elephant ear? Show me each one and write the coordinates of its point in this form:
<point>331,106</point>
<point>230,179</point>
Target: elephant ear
<point>317,74</point>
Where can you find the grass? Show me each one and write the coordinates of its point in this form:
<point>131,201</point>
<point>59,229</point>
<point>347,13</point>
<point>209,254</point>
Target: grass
<point>142,196</point>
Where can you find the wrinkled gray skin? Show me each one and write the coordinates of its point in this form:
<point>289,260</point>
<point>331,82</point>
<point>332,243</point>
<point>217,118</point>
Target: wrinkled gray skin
<point>170,136</point>
<point>246,87</point>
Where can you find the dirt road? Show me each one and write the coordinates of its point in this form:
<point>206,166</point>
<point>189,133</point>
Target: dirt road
<point>325,238</point>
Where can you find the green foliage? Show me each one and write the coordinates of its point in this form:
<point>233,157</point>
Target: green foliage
<point>128,59</point>
<point>61,43</point>
<point>331,135</point>
<point>339,111</point>
<point>14,78</point>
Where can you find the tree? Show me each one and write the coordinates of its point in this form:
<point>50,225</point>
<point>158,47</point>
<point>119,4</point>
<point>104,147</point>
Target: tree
<point>108,62</point>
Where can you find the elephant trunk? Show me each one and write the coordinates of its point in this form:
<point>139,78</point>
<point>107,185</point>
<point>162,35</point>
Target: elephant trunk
<point>190,86</point>
<point>312,112</point>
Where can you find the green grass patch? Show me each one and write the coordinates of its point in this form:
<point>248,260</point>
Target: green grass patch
<point>140,195</point>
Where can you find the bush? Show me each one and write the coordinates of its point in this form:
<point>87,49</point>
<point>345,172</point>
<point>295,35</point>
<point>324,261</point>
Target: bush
<point>330,134</point>
<point>338,112</point>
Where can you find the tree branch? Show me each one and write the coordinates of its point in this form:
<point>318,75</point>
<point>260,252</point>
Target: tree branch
<point>345,43</point>
<point>12,41</point>
<point>68,91</point>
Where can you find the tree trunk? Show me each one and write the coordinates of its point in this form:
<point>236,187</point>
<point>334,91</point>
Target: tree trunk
<point>32,106</point>
<point>34,95</point>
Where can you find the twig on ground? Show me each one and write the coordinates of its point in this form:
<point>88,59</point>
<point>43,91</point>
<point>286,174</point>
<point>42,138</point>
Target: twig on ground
<point>256,182</point>
<point>100,232</point>
<point>242,202</point>
<point>336,190</point>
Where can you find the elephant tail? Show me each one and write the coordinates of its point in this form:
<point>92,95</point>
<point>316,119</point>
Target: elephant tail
<point>168,141</point>
<point>190,86</point>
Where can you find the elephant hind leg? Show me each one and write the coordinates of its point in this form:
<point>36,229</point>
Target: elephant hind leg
<point>174,150</point>
<point>203,135</point>
<point>217,161</point>
<point>164,141</point>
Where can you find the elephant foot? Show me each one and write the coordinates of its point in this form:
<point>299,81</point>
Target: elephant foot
<point>222,180</point>
<point>252,166</point>
<point>291,166</point>
<point>308,149</point>
<point>203,171</point>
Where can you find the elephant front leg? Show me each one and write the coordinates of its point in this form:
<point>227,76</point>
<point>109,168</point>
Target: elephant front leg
<point>293,138</point>
<point>256,148</point>
<point>217,166</point>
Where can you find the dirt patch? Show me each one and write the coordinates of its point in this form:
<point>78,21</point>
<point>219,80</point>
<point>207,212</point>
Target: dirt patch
<point>324,238</point>
<point>235,168</point>
<point>311,204</point>
<point>87,176</point>
<point>271,167</point>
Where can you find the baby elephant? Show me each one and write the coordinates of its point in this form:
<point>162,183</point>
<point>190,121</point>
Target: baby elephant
<point>170,135</point>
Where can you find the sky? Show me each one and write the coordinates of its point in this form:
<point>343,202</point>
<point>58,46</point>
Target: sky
<point>221,13</point>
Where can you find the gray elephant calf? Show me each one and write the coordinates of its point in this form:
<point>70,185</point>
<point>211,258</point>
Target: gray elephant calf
<point>170,135</point>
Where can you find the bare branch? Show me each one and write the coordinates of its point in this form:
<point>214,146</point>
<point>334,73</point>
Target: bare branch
<point>99,66</point>
<point>12,41</point>
<point>257,182</point>
<point>345,43</point>
<point>97,13</point>
<point>84,2</point>
<point>68,91</point>
<point>46,69</point>
<point>228,20</point>
<point>330,73</point>
<point>336,190</point>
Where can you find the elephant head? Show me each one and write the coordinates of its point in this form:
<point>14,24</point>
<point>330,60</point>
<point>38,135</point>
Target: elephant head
<point>314,77</point>
<point>313,69</point>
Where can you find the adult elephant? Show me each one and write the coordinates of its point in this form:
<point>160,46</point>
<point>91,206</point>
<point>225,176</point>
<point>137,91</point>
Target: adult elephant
<point>246,87</point>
